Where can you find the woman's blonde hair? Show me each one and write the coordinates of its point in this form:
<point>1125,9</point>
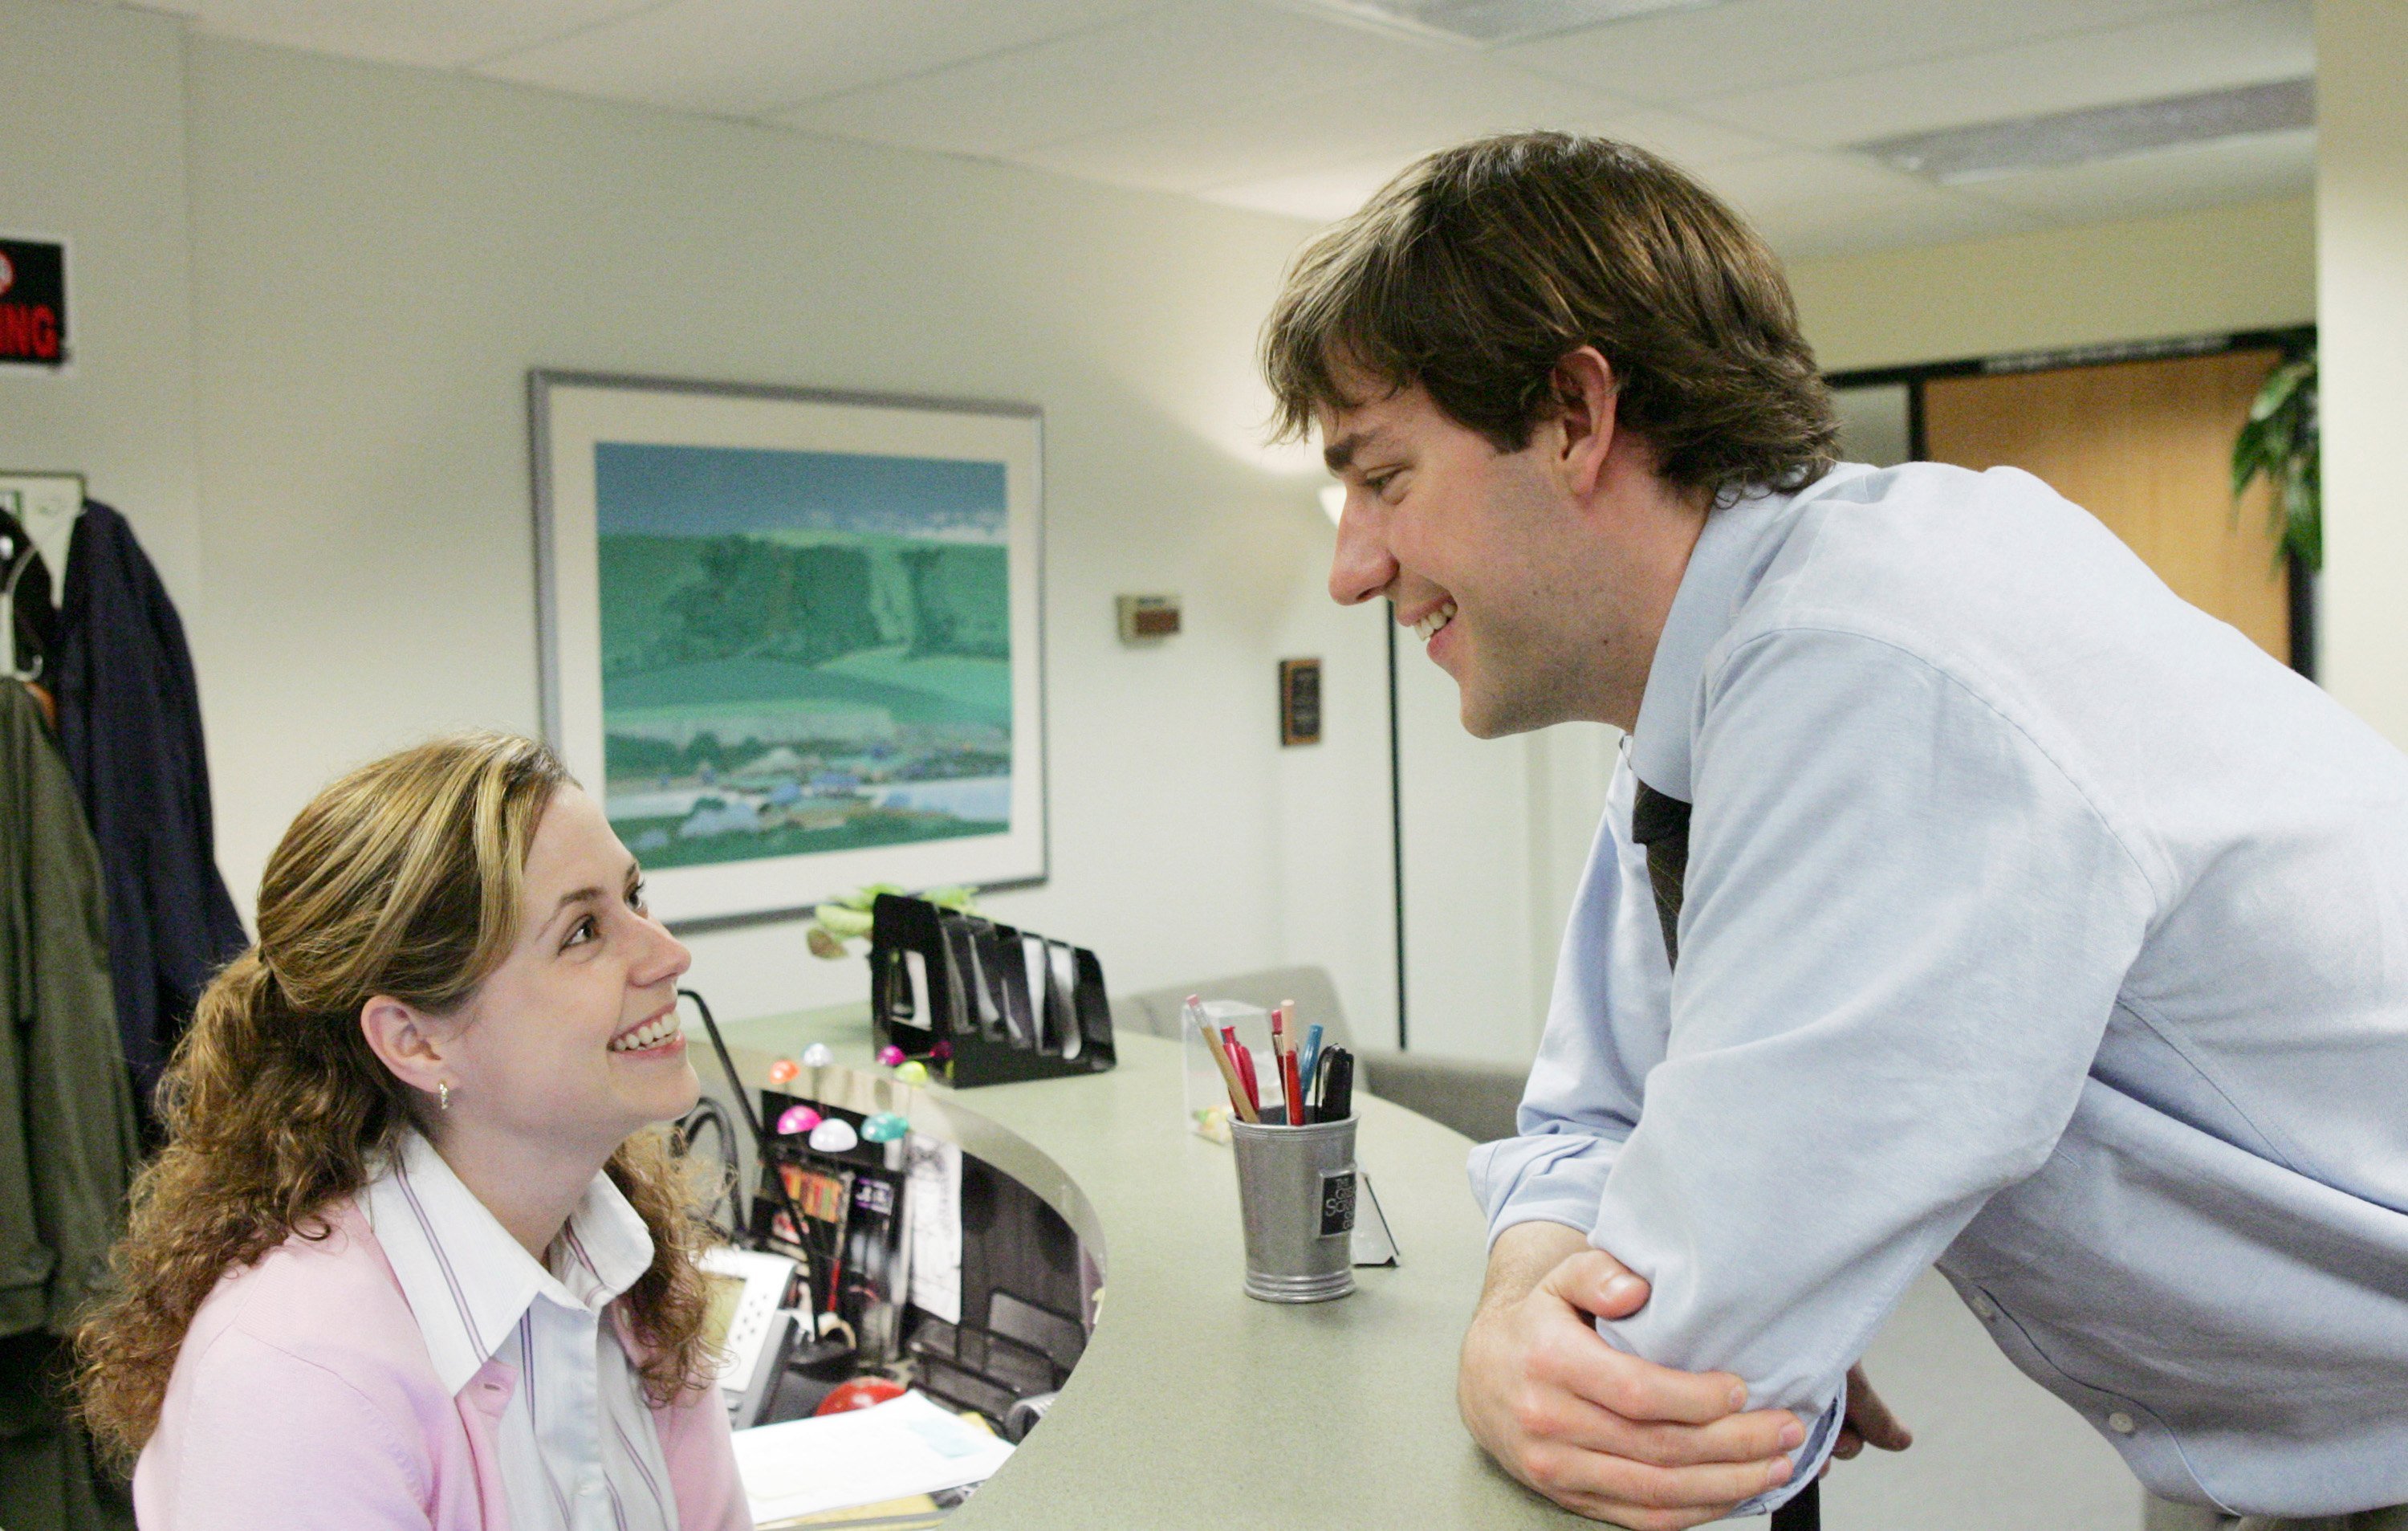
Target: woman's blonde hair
<point>403,879</point>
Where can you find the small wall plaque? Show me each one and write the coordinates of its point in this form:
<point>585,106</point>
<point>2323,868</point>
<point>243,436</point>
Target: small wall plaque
<point>1144,617</point>
<point>1299,701</point>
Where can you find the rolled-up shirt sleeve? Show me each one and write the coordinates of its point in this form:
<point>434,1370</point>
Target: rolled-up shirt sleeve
<point>1904,927</point>
<point>1605,1028</point>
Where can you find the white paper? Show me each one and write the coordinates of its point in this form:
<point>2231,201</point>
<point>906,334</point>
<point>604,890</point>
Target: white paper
<point>932,1196</point>
<point>905,1446</point>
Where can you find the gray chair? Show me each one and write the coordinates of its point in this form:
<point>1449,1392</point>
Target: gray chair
<point>1475,1098</point>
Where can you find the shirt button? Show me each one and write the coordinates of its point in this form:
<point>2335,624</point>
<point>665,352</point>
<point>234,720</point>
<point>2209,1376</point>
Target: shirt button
<point>1983,1309</point>
<point>2121,1423</point>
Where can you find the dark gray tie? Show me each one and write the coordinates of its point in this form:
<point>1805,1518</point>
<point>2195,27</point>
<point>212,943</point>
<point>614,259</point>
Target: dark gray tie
<point>1660,825</point>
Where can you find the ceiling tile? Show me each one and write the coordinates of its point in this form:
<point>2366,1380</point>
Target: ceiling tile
<point>1685,140</point>
<point>1188,58</point>
<point>742,58</point>
<point>1322,195</point>
<point>1795,176</point>
<point>2169,181</point>
<point>1396,116</point>
<point>2238,45</point>
<point>1847,225</point>
<point>436,33</point>
<point>1750,44</point>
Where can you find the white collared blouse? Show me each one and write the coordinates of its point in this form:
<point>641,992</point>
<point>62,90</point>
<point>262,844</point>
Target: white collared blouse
<point>578,1449</point>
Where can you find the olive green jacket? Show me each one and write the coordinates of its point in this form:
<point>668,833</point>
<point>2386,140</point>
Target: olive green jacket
<point>68,1143</point>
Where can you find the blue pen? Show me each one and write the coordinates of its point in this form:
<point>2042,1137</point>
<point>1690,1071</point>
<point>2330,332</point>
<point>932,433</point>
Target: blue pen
<point>1311,1057</point>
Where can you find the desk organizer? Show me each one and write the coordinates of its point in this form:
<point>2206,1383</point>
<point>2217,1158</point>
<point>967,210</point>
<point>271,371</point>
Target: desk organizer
<point>982,1004</point>
<point>841,1212</point>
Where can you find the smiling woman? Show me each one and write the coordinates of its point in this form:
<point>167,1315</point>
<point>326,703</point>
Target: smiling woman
<point>412,1255</point>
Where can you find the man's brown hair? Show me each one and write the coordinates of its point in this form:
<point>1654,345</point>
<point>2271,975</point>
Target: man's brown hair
<point>1480,267</point>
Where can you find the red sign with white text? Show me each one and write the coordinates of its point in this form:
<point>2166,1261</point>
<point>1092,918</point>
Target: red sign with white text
<point>32,303</point>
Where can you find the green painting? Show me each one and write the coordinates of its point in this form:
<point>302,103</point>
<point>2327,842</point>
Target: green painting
<point>802,651</point>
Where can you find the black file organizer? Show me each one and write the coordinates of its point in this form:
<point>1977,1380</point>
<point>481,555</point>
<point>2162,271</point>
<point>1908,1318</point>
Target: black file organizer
<point>982,1004</point>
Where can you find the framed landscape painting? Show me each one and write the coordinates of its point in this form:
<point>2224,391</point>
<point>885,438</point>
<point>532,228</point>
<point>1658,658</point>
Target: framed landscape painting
<point>792,640</point>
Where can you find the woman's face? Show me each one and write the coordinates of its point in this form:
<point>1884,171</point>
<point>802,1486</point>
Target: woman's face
<point>573,1042</point>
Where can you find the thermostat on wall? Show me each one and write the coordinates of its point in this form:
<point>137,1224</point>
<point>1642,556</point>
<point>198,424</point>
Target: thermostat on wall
<point>1148,617</point>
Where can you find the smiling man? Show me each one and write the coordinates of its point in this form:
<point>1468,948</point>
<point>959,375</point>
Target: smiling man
<point>1963,897</point>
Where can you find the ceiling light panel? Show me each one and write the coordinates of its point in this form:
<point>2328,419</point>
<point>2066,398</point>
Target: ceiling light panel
<point>2259,167</point>
<point>2252,43</point>
<point>1488,23</point>
<point>1990,150</point>
<point>1768,44</point>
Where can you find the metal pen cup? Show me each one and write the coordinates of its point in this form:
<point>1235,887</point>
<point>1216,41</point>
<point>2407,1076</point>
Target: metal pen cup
<point>1295,1193</point>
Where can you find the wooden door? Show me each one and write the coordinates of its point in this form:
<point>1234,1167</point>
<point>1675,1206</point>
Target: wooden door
<point>2145,446</point>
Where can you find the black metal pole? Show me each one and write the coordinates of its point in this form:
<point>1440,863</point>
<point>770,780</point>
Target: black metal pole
<point>2303,615</point>
<point>1397,822</point>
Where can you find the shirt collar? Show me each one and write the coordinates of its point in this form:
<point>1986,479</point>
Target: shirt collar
<point>1732,550</point>
<point>467,1281</point>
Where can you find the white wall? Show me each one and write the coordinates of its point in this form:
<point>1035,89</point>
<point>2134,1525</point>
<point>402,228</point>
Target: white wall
<point>1495,834</point>
<point>324,283</point>
<point>92,149</point>
<point>2362,259</point>
<point>2248,266</point>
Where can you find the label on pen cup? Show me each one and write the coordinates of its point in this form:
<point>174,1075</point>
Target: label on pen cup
<point>1338,1204</point>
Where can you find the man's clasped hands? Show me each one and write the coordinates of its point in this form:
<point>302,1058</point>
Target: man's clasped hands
<point>1603,1432</point>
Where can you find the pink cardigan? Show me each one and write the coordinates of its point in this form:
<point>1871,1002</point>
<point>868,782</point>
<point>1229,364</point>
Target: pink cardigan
<point>303,1397</point>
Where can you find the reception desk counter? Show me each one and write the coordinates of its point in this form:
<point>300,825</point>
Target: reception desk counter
<point>1195,1405</point>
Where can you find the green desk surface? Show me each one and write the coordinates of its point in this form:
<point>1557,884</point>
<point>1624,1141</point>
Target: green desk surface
<point>1195,1405</point>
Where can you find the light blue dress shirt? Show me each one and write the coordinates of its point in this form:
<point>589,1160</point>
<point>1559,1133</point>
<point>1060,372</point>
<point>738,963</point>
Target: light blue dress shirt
<point>2037,925</point>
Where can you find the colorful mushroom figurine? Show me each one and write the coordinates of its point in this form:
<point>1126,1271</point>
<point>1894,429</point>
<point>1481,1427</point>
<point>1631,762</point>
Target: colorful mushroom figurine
<point>913,1072</point>
<point>818,1055</point>
<point>889,1056</point>
<point>835,1136</point>
<point>885,1127</point>
<point>797,1119</point>
<point>784,1071</point>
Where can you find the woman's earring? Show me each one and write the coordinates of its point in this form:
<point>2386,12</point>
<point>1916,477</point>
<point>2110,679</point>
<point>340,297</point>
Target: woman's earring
<point>443,1093</point>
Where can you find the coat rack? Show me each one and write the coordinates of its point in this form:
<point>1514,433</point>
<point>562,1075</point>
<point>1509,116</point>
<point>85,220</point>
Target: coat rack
<point>38,518</point>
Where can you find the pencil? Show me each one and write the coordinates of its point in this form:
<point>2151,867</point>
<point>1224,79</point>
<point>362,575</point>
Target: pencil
<point>1278,1058</point>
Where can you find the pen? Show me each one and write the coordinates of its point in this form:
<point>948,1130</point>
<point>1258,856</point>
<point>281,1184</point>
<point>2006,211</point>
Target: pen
<point>1238,1101</point>
<point>1243,1057</point>
<point>1312,1059</point>
<point>1338,1092</point>
<point>1293,1082</point>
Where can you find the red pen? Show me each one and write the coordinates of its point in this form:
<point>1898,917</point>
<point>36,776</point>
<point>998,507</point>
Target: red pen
<point>1243,1057</point>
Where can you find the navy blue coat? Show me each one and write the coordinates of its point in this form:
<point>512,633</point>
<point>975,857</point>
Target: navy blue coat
<point>130,727</point>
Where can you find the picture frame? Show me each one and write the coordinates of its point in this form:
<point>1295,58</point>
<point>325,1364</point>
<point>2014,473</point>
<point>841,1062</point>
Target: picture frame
<point>792,639</point>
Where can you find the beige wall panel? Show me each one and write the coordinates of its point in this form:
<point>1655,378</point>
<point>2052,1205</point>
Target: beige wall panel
<point>2248,266</point>
<point>2362,230</point>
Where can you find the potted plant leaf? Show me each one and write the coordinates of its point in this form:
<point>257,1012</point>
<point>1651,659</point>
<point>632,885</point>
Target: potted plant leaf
<point>2279,440</point>
<point>839,922</point>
